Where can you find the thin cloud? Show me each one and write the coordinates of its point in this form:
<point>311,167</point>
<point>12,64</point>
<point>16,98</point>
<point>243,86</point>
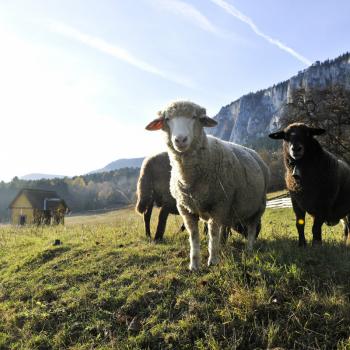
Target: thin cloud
<point>117,52</point>
<point>243,18</point>
<point>189,12</point>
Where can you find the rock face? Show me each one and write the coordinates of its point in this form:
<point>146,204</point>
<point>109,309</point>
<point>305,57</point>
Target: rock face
<point>255,115</point>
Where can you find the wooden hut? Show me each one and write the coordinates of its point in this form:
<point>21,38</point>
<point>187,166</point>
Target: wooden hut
<point>35,206</point>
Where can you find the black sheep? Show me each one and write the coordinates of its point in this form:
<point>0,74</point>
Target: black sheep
<point>318,182</point>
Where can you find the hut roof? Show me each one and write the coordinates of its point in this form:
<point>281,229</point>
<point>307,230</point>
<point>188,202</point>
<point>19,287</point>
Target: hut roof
<point>37,197</point>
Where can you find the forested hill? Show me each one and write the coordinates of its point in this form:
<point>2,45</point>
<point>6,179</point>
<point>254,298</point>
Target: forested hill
<point>105,190</point>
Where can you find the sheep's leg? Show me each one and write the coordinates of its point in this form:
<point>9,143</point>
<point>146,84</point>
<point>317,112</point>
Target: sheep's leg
<point>317,231</point>
<point>258,229</point>
<point>300,223</point>
<point>191,224</point>
<point>147,220</point>
<point>346,224</point>
<point>162,219</point>
<point>241,229</point>
<point>214,231</point>
<point>225,232</point>
<point>251,232</point>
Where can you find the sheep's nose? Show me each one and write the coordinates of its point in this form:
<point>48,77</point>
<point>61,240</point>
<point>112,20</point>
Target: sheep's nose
<point>180,140</point>
<point>296,148</point>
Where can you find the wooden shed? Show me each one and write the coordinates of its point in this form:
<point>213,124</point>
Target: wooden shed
<point>35,206</point>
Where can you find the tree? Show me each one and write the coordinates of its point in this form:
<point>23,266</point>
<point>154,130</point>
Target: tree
<point>323,108</point>
<point>274,160</point>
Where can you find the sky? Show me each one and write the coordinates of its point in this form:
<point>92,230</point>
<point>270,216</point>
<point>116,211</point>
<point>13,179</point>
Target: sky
<point>79,80</point>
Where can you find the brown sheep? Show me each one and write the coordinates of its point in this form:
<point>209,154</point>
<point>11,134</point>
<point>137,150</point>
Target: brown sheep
<point>318,182</point>
<point>153,189</point>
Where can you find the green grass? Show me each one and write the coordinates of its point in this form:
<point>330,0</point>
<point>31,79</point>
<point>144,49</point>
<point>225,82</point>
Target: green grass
<point>275,194</point>
<point>107,287</point>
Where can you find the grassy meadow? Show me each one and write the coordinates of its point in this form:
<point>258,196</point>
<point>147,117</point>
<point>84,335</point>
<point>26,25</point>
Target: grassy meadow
<point>107,287</point>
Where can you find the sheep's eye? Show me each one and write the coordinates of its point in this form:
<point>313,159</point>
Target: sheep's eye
<point>166,119</point>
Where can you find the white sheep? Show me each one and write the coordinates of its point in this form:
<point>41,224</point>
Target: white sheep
<point>220,182</point>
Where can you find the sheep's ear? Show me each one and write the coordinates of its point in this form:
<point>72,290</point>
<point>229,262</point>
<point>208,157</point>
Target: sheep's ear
<point>279,135</point>
<point>208,122</point>
<point>316,131</point>
<point>156,124</point>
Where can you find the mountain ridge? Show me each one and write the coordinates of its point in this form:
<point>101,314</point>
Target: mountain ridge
<point>114,165</point>
<point>255,114</point>
<point>40,176</point>
<point>120,163</point>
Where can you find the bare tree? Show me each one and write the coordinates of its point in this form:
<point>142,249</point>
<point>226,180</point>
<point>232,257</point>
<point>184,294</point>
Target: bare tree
<point>327,108</point>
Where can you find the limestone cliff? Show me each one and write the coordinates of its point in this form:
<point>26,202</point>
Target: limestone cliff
<point>254,115</point>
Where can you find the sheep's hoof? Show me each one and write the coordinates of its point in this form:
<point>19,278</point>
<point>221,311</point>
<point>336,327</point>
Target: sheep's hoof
<point>213,261</point>
<point>193,268</point>
<point>316,243</point>
<point>302,244</point>
<point>250,248</point>
<point>194,265</point>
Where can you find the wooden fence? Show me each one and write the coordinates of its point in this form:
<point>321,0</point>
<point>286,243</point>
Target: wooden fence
<point>276,203</point>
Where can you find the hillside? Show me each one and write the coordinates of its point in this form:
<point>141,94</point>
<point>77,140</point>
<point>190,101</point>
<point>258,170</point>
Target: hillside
<point>107,287</point>
<point>121,163</point>
<point>105,190</point>
<point>251,117</point>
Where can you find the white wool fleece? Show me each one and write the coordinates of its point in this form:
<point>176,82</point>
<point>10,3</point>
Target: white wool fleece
<point>220,182</point>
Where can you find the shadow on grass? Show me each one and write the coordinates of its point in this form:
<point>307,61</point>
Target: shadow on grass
<point>322,268</point>
<point>45,256</point>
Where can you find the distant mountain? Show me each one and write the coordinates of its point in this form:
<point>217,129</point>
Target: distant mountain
<point>121,163</point>
<point>117,164</point>
<point>254,115</point>
<point>37,176</point>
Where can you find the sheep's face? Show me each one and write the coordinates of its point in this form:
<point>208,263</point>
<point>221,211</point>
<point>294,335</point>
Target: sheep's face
<point>182,121</point>
<point>181,131</point>
<point>296,143</point>
<point>296,137</point>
